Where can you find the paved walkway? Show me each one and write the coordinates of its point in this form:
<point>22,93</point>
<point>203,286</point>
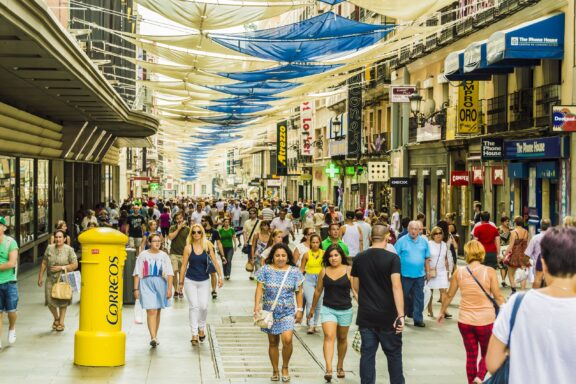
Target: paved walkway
<point>235,351</point>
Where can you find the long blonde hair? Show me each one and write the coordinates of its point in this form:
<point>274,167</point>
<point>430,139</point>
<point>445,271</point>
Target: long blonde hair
<point>206,244</point>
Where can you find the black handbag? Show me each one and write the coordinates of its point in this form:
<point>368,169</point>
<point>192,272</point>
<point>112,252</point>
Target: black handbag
<point>502,375</point>
<point>494,303</point>
<point>246,247</point>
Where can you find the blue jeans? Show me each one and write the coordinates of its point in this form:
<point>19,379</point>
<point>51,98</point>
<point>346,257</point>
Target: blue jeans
<point>414,297</point>
<point>8,297</point>
<point>391,344</point>
<point>310,282</point>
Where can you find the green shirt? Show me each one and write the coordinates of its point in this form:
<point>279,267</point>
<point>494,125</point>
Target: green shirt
<point>227,237</point>
<point>179,243</point>
<point>8,245</point>
<point>303,212</point>
<point>327,242</point>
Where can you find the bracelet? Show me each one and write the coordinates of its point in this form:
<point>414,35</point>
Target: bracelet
<point>134,290</point>
<point>299,309</point>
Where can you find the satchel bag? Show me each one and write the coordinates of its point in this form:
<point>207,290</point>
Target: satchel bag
<point>357,343</point>
<point>249,267</point>
<point>432,271</point>
<point>246,247</point>
<point>502,374</point>
<point>494,303</point>
<point>62,290</point>
<point>265,319</point>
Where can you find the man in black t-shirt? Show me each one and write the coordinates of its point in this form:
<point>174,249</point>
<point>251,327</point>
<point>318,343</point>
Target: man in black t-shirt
<point>136,227</point>
<point>376,274</point>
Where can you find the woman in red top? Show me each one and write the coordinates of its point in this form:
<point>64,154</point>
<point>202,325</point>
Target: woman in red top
<point>515,257</point>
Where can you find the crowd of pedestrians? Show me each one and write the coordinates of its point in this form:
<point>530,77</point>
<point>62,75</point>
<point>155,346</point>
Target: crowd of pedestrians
<point>389,265</point>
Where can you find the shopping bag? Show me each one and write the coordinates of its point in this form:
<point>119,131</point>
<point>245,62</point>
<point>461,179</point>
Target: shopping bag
<point>427,294</point>
<point>357,342</point>
<point>138,312</point>
<point>75,279</point>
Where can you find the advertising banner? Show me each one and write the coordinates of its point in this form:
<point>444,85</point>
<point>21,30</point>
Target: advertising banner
<point>497,175</point>
<point>306,128</point>
<point>477,175</point>
<point>564,118</point>
<point>459,178</point>
<point>401,93</point>
<point>400,182</point>
<point>468,108</point>
<point>538,148</point>
<point>354,117</point>
<point>492,149</point>
<point>282,148</point>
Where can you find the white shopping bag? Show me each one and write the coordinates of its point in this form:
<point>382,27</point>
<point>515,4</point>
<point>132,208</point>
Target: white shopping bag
<point>427,295</point>
<point>75,279</point>
<point>138,312</point>
<point>520,275</point>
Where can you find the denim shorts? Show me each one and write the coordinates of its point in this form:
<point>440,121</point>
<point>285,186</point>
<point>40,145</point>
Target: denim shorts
<point>343,317</point>
<point>8,297</point>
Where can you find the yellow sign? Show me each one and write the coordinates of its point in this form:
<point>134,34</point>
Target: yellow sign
<point>468,108</point>
<point>100,341</point>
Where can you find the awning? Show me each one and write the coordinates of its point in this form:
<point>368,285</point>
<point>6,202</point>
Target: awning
<point>454,68</point>
<point>475,61</point>
<point>542,38</point>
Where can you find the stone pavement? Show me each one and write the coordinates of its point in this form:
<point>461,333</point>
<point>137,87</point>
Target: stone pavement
<point>234,352</point>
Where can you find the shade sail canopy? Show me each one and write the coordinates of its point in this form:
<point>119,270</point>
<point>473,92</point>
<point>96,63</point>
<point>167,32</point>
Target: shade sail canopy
<point>475,61</point>
<point>285,72</point>
<point>229,119</point>
<point>542,38</point>
<point>250,88</point>
<point>402,9</point>
<point>247,99</point>
<point>325,36</point>
<point>212,14</point>
<point>454,68</point>
<point>238,108</point>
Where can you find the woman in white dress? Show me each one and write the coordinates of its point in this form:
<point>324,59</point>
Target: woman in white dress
<point>303,246</point>
<point>441,263</point>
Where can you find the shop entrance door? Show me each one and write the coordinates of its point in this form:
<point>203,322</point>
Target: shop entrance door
<point>554,202</point>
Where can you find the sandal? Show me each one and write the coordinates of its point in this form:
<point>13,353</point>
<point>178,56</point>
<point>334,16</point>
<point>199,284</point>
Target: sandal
<point>201,336</point>
<point>340,373</point>
<point>59,327</point>
<point>285,379</point>
<point>55,325</point>
<point>153,343</point>
<point>275,377</point>
<point>214,295</point>
<point>328,376</point>
<point>310,331</point>
<point>194,341</point>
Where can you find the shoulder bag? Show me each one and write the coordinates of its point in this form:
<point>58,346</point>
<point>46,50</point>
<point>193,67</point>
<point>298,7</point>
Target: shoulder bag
<point>62,290</point>
<point>246,247</point>
<point>265,319</point>
<point>502,375</point>
<point>432,272</point>
<point>494,303</point>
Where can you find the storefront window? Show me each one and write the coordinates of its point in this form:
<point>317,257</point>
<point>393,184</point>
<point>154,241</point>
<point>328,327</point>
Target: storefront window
<point>43,197</point>
<point>26,201</point>
<point>7,192</point>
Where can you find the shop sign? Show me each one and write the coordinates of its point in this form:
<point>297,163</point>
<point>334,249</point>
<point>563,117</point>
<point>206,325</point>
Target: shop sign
<point>459,178</point>
<point>354,136</point>
<point>275,183</point>
<point>564,118</point>
<point>401,93</point>
<point>355,187</point>
<point>539,148</point>
<point>468,108</point>
<point>547,170</point>
<point>477,176</point>
<point>378,171</point>
<point>254,183</point>
<point>305,177</point>
<point>492,149</point>
<point>307,127</point>
<point>332,170</point>
<point>399,182</point>
<point>282,148</point>
<point>497,175</point>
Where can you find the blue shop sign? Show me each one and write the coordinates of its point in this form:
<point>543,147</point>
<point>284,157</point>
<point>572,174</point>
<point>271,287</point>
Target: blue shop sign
<point>539,148</point>
<point>547,170</point>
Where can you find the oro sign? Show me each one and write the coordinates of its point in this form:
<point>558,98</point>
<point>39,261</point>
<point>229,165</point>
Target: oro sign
<point>564,118</point>
<point>468,108</point>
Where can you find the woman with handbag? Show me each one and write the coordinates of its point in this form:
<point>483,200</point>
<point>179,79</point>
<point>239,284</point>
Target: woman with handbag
<point>279,281</point>
<point>312,266</point>
<point>477,307</point>
<point>440,265</point>
<point>336,313</point>
<point>229,241</point>
<point>275,238</point>
<point>259,244</point>
<point>515,257</point>
<point>213,236</point>
<point>153,276</point>
<point>198,261</point>
<point>59,259</point>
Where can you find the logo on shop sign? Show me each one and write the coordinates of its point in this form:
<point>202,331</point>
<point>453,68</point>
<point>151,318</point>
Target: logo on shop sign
<point>459,178</point>
<point>281,148</point>
<point>468,106</point>
<point>113,291</point>
<point>564,118</point>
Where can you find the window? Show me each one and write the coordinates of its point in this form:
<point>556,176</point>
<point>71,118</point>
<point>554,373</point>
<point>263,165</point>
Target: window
<point>27,201</point>
<point>43,196</point>
<point>204,189</point>
<point>8,192</point>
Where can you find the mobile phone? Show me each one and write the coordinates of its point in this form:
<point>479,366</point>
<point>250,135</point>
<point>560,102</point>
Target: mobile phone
<point>398,323</point>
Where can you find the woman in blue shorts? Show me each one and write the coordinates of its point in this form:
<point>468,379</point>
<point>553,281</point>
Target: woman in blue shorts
<point>336,313</point>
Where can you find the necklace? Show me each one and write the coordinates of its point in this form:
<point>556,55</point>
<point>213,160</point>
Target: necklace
<point>562,288</point>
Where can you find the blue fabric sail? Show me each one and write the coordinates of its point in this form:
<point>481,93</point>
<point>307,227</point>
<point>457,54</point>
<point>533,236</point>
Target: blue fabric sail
<point>247,99</point>
<point>284,72</point>
<point>321,37</point>
<point>239,108</point>
<point>255,88</point>
<point>332,2</point>
<point>230,119</point>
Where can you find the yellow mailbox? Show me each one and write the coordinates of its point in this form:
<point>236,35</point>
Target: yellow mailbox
<point>100,342</point>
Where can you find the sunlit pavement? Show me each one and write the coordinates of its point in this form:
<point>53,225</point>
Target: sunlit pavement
<point>234,352</point>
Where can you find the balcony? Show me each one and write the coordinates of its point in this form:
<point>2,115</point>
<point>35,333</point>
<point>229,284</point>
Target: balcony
<point>521,109</point>
<point>496,114</point>
<point>545,97</point>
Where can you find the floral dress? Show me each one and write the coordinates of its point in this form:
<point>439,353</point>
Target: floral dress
<point>285,310</point>
<point>57,257</point>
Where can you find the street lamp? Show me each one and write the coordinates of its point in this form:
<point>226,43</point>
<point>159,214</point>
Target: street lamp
<point>337,127</point>
<point>415,102</point>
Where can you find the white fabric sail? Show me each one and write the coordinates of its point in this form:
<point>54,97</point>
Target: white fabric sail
<point>185,73</point>
<point>205,15</point>
<point>399,9</point>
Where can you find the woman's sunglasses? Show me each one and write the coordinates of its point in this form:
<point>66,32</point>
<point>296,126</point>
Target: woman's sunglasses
<point>196,232</point>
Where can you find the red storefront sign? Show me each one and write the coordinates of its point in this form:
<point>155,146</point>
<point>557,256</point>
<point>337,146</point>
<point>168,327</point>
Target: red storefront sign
<point>459,178</point>
<point>497,175</point>
<point>478,175</point>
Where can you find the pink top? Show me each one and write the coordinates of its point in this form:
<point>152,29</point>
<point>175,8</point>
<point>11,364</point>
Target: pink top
<point>475,307</point>
<point>164,220</point>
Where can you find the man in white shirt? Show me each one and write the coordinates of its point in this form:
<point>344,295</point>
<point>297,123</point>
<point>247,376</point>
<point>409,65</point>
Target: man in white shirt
<point>268,213</point>
<point>197,214</point>
<point>220,205</point>
<point>236,211</point>
<point>396,220</point>
<point>366,230</point>
<point>285,225</point>
<point>534,252</point>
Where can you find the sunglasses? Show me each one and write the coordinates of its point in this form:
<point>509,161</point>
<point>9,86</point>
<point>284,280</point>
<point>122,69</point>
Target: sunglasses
<point>196,232</point>
<point>437,233</point>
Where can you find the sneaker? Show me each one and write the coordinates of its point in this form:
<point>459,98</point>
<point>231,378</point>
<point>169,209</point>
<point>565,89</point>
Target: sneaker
<point>12,336</point>
<point>419,324</point>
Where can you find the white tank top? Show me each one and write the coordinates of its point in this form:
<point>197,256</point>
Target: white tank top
<point>352,239</point>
